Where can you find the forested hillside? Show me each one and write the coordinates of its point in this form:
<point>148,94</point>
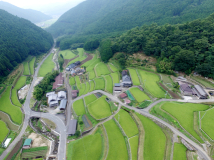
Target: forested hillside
<point>18,39</point>
<point>101,18</point>
<point>29,14</point>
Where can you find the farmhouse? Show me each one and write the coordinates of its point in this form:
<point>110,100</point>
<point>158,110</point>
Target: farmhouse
<point>50,93</point>
<point>61,95</point>
<point>79,71</point>
<point>186,89</point>
<point>73,65</point>
<point>123,95</point>
<point>27,143</point>
<point>52,97</point>
<point>200,92</point>
<point>126,81</point>
<point>72,127</point>
<point>124,73</point>
<point>63,104</point>
<point>59,80</point>
<point>74,93</point>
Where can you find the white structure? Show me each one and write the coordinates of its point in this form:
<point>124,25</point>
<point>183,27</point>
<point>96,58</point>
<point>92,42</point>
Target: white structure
<point>6,143</point>
<point>52,97</point>
<point>50,93</point>
<point>61,95</point>
<point>53,103</point>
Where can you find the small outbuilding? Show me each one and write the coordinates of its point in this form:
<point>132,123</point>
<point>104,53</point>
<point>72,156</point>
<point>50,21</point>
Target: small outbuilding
<point>200,92</point>
<point>49,93</point>
<point>117,89</point>
<point>74,93</point>
<point>27,143</point>
<point>72,127</point>
<point>123,95</point>
<point>117,85</point>
<point>61,95</point>
<point>53,103</point>
<point>63,104</point>
<point>52,97</point>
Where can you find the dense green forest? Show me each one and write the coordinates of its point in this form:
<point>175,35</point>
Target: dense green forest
<point>183,47</point>
<point>18,39</point>
<point>29,14</point>
<point>95,19</point>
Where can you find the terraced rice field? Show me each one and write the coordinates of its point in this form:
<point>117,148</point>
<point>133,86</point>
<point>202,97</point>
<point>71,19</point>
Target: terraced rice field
<point>78,83</point>
<point>115,77</point>
<point>150,82</point>
<point>9,123</point>
<point>67,54</point>
<point>72,81</point>
<point>134,76</point>
<point>47,66</point>
<point>89,99</point>
<point>113,68</point>
<point>91,85</point>
<point>31,64</point>
<point>81,57</point>
<point>26,69</point>
<point>91,74</point>
<point>100,108</point>
<point>6,106</point>
<point>91,61</point>
<point>87,87</point>
<point>184,113</point>
<point>155,139</point>
<point>127,123</point>
<point>87,148</point>
<point>91,67</point>
<point>99,84</point>
<point>79,107</point>
<point>203,81</point>
<point>82,89</point>
<point>20,83</point>
<point>117,145</point>
<point>139,95</point>
<point>102,69</point>
<point>4,131</point>
<point>109,84</point>
<point>15,99</point>
<point>179,152</point>
<point>133,141</point>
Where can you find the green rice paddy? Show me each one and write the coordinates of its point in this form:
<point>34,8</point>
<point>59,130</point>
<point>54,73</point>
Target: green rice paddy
<point>79,107</point>
<point>31,64</point>
<point>91,74</point>
<point>20,83</point>
<point>113,68</point>
<point>87,87</point>
<point>109,84</point>
<point>99,84</point>
<point>91,67</point>
<point>47,66</point>
<point>115,77</point>
<point>134,76</point>
<point>179,152</point>
<point>133,141</point>
<point>81,57</point>
<point>91,61</point>
<point>139,95</point>
<point>102,69</point>
<point>14,98</point>
<point>89,99</point>
<point>67,54</point>
<point>72,81</point>
<point>4,131</point>
<point>91,85</point>
<point>78,83</point>
<point>26,69</point>
<point>82,89</point>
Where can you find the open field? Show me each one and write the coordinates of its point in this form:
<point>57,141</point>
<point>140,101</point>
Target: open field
<point>183,112</point>
<point>179,152</point>
<point>127,123</point>
<point>21,82</point>
<point>14,112</point>
<point>99,84</point>
<point>87,87</point>
<point>15,99</point>
<point>92,65</point>
<point>4,131</point>
<point>26,69</point>
<point>102,69</point>
<point>91,61</point>
<point>31,64</point>
<point>139,95</point>
<point>134,76</point>
<point>67,54</point>
<point>117,145</point>
<point>115,77</point>
<point>207,122</point>
<point>91,74</point>
<point>203,81</point>
<point>89,99</point>
<point>81,57</point>
<point>87,148</point>
<point>154,141</point>
<point>91,86</point>
<point>79,107</point>
<point>109,84</point>
<point>72,81</point>
<point>150,82</point>
<point>47,66</point>
<point>100,108</point>
<point>78,83</point>
<point>82,89</point>
<point>4,117</point>
<point>113,68</point>
<point>134,146</point>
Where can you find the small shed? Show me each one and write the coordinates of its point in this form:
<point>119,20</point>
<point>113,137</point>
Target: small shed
<point>74,93</point>
<point>53,103</point>
<point>52,97</point>
<point>127,101</point>
<point>72,127</point>
<point>27,143</point>
<point>62,95</point>
<point>123,95</point>
<point>63,104</point>
<point>49,93</point>
<point>117,89</point>
<point>117,84</point>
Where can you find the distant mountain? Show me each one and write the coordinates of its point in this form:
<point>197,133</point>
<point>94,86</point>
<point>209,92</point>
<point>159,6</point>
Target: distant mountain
<point>18,39</point>
<point>29,14</point>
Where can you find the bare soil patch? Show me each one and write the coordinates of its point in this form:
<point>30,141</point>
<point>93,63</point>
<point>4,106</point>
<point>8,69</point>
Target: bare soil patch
<point>15,150</point>
<point>89,57</point>
<point>142,56</point>
<point>174,95</point>
<point>38,141</point>
<point>66,61</point>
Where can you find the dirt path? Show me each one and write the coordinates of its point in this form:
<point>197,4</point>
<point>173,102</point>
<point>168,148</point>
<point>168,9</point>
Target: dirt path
<point>89,57</point>
<point>174,95</point>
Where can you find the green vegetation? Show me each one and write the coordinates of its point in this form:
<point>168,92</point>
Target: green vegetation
<point>203,81</point>
<point>91,67</point>
<point>78,83</point>
<point>15,99</point>
<point>26,69</point>
<point>134,146</point>
<point>20,83</point>
<point>91,74</point>
<point>179,152</point>
<point>127,123</point>
<point>139,95</point>
<point>117,145</point>
<point>115,77</point>
<point>89,99</point>
<point>113,68</point>
<point>99,84</point>
<point>47,66</point>
<point>79,107</point>
<point>86,64</point>
<point>102,69</point>
<point>109,84</point>
<point>91,85</point>
<point>6,118</point>
<point>67,54</point>
<point>134,77</point>
<point>100,108</point>
<point>145,104</point>
<point>72,81</point>
<point>87,148</point>
<point>207,122</point>
<point>82,89</point>
<point>4,131</point>
<point>87,88</point>
<point>81,57</point>
<point>154,141</point>
<point>6,106</point>
<point>150,80</point>
<point>31,64</point>
<point>35,149</point>
<point>91,45</point>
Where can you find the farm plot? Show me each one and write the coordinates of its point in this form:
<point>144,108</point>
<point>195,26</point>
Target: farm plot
<point>89,99</point>
<point>150,82</point>
<point>47,66</point>
<point>87,88</point>
<point>21,82</point>
<point>26,69</point>
<point>67,54</point>
<point>127,123</point>
<point>34,152</point>
<point>99,84</point>
<point>133,141</point>
<point>102,69</point>
<point>115,77</point>
<point>91,61</point>
<point>79,107</point>
<point>100,108</point>
<point>81,57</point>
<point>91,85</point>
<point>82,89</point>
<point>87,148</point>
<point>91,67</point>
<point>117,145</point>
<point>6,106</point>
<point>134,77</point>
<point>15,99</point>
<point>154,141</point>
<point>31,64</point>
<point>72,81</point>
<point>9,123</point>
<point>4,131</point>
<point>113,68</point>
<point>109,83</point>
<point>78,83</point>
<point>184,113</point>
<point>91,74</point>
<point>139,95</point>
<point>179,152</point>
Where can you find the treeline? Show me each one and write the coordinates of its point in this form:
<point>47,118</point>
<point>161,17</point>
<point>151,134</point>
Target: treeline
<point>18,39</point>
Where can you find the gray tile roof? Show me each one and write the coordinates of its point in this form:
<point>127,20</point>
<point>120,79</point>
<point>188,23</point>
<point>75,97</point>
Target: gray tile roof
<point>72,127</point>
<point>63,104</point>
